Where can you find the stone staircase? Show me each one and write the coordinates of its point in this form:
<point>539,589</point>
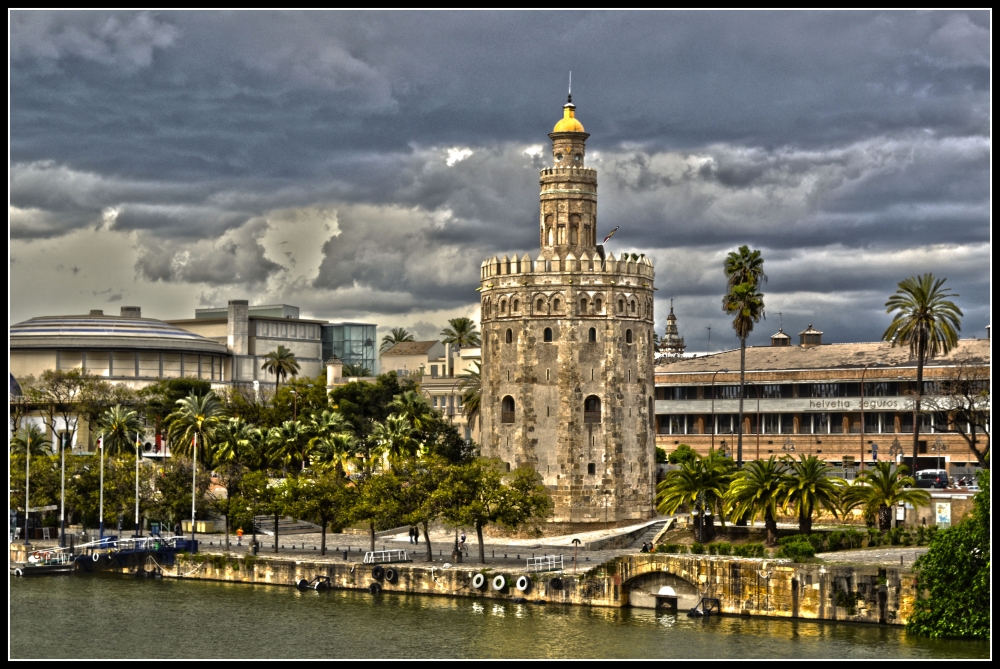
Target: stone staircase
<point>286,525</point>
<point>649,534</point>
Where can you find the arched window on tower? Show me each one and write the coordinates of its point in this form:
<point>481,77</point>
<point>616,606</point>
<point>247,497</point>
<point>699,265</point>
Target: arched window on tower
<point>510,336</point>
<point>514,306</point>
<point>547,335</point>
<point>621,306</point>
<point>598,305</point>
<point>540,305</point>
<point>628,336</point>
<point>574,228</point>
<point>592,335</point>
<point>555,304</point>
<point>586,237</point>
<point>561,234</point>
<point>583,305</point>
<point>503,306</point>
<point>507,410</point>
<point>592,409</point>
<point>633,306</point>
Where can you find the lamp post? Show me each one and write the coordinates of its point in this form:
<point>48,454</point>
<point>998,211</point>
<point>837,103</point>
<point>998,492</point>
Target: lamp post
<point>938,446</point>
<point>295,405</point>
<point>896,450</point>
<point>864,371</point>
<point>713,403</point>
<point>788,447</point>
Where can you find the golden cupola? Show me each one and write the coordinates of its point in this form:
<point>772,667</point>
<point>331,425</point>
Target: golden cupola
<point>568,122</point>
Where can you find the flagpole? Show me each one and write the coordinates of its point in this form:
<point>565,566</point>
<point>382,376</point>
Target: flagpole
<point>62,494</point>
<point>137,484</point>
<point>100,512</point>
<point>27,483</point>
<point>194,485</point>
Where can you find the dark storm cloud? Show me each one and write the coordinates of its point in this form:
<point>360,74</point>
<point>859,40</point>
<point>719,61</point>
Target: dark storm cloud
<point>821,137</point>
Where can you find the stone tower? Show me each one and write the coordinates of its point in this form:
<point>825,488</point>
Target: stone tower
<point>567,375</point>
<point>672,345</point>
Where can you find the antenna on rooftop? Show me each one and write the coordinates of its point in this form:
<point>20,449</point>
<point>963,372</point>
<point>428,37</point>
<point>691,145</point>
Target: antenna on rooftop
<point>569,98</point>
<point>780,323</point>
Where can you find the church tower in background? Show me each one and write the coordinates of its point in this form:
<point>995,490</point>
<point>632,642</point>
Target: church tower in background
<point>567,372</point>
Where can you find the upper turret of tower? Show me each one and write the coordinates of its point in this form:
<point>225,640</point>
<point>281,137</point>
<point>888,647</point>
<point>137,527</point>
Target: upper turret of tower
<point>568,123</point>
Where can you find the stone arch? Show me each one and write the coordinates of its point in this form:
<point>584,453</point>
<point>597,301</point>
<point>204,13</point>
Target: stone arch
<point>592,409</point>
<point>507,408</point>
<point>583,305</point>
<point>621,305</point>
<point>514,305</point>
<point>509,337</point>
<point>547,335</point>
<point>640,590</point>
<point>557,302</point>
<point>598,304</point>
<point>574,228</point>
<point>628,336</point>
<point>503,306</point>
<point>632,305</point>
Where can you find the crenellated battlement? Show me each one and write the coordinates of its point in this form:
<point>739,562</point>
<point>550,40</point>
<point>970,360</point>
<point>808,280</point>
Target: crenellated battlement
<point>571,172</point>
<point>626,264</point>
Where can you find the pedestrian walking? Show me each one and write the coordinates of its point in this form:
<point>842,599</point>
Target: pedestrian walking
<point>416,535</point>
<point>411,534</point>
<point>239,536</point>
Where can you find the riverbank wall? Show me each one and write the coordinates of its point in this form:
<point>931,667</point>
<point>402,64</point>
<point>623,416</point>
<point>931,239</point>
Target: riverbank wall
<point>753,587</point>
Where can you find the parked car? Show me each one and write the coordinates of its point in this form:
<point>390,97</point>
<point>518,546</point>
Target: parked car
<point>932,478</point>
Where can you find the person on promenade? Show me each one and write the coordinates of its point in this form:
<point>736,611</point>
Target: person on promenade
<point>416,535</point>
<point>411,534</point>
<point>239,536</point>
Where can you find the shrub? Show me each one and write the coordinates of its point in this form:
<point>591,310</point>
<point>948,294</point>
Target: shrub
<point>853,538</point>
<point>796,548</point>
<point>835,541</point>
<point>754,550</point>
<point>874,537</point>
<point>723,548</point>
<point>817,541</point>
<point>670,548</point>
<point>697,548</point>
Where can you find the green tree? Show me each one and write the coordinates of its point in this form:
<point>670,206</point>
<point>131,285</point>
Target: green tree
<point>878,489</point>
<point>928,322</point>
<point>757,491</point>
<point>321,497</point>
<point>119,427</point>
<point>413,406</point>
<point>172,496</point>
<point>744,302</point>
<point>159,400</point>
<point>394,440</point>
<point>379,502</point>
<point>363,404</point>
<point>700,484</point>
<point>195,415</point>
<point>683,453</point>
<point>462,332</point>
<point>421,479</point>
<point>395,336</point>
<point>954,577</point>
<point>30,438</point>
<point>809,485</point>
<point>282,363</point>
<point>290,444</point>
<point>479,493</point>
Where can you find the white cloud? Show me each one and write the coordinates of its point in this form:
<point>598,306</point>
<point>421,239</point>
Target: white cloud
<point>457,155</point>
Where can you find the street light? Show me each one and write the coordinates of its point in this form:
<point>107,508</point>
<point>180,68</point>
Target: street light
<point>896,449</point>
<point>788,447</point>
<point>863,372</point>
<point>724,371</point>
<point>938,446</point>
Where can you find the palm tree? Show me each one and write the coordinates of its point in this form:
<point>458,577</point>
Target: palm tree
<point>462,332</point>
<point>700,483</point>
<point>810,486</point>
<point>744,266</point>
<point>878,489</point>
<point>29,438</point>
<point>746,305</point>
<point>357,370</point>
<point>119,426</point>
<point>290,442</point>
<point>394,439</point>
<point>414,407</point>
<point>472,391</point>
<point>757,491</point>
<point>195,415</point>
<point>395,336</point>
<point>929,322</point>
<point>236,441</point>
<point>282,363</point>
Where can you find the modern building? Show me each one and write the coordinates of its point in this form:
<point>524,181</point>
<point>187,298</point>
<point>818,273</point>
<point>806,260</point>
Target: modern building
<point>846,403</point>
<point>351,343</point>
<point>567,378</point>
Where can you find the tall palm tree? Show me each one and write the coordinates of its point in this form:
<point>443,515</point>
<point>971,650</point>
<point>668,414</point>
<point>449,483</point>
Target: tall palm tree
<point>926,320</point>
<point>700,483</point>
<point>236,441</point>
<point>757,491</point>
<point>808,487</point>
<point>746,305</point>
<point>282,363</point>
<point>30,438</point>
<point>744,266</point>
<point>290,443</point>
<point>878,489</point>
<point>355,370</point>
<point>471,386</point>
<point>414,407</point>
<point>195,415</point>
<point>462,332</point>
<point>394,439</point>
<point>119,427</point>
<point>395,336</point>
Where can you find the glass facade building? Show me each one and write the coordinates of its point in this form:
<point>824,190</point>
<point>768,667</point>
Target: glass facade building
<point>353,343</point>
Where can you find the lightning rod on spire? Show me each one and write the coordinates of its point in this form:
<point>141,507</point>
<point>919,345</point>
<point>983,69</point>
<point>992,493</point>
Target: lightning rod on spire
<point>569,98</point>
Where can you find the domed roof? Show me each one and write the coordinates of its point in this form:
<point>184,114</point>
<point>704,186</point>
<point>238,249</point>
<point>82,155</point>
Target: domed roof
<point>99,331</point>
<point>568,122</point>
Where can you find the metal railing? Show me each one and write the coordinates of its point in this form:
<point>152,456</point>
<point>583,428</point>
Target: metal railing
<point>591,416</point>
<point>545,563</point>
<point>506,416</point>
<point>393,555</point>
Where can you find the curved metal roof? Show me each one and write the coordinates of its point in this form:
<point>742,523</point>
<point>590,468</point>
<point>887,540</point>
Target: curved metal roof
<point>107,332</point>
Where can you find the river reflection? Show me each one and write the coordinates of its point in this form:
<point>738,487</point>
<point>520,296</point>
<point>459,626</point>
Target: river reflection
<point>112,616</point>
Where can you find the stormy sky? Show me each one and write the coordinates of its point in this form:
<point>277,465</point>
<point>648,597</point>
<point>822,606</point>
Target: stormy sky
<point>362,165</point>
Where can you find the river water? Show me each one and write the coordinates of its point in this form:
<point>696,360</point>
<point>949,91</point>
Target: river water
<point>118,617</point>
